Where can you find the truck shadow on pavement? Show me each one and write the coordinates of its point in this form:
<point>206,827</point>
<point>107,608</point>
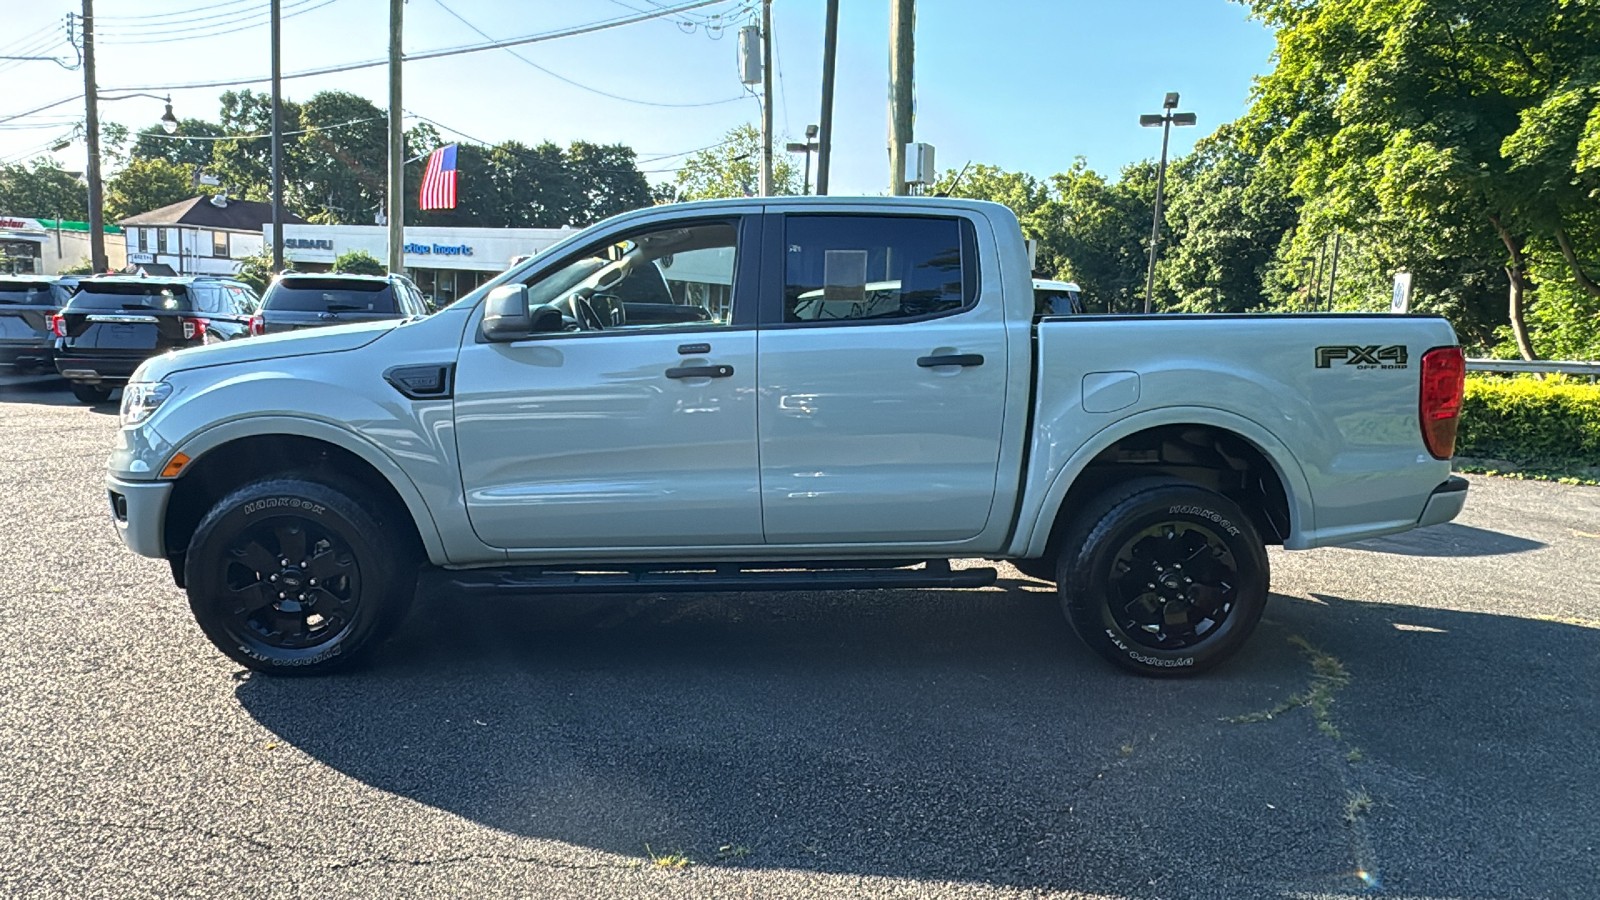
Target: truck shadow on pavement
<point>968,737</point>
<point>1449,539</point>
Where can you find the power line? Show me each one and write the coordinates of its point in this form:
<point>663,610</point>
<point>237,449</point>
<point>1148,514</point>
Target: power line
<point>502,146</point>
<point>181,12</point>
<point>37,109</point>
<point>559,77</point>
<point>434,54</point>
<point>253,137</point>
<point>166,30</point>
<point>198,33</point>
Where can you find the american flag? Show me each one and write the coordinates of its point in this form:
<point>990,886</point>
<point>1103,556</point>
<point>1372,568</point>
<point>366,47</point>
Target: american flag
<point>439,181</point>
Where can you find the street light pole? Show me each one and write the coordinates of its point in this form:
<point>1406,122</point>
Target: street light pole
<point>830,48</point>
<point>1166,120</point>
<point>397,153</point>
<point>806,148</point>
<point>277,138</point>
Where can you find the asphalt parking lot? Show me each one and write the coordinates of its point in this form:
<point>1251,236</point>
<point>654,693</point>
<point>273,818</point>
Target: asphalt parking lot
<point>1416,717</point>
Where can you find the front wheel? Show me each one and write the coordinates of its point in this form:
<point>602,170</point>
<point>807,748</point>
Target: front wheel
<point>1163,577</point>
<point>91,393</point>
<point>294,576</point>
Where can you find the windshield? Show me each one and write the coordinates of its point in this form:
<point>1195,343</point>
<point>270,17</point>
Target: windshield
<point>110,295</point>
<point>23,293</point>
<point>330,295</point>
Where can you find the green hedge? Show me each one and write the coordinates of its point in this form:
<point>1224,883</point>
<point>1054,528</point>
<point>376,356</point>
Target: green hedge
<point>1526,420</point>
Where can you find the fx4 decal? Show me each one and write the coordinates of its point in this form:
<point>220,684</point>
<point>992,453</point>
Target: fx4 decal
<point>1373,357</point>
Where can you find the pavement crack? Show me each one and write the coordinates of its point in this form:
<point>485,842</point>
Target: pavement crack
<point>168,830</point>
<point>374,861</point>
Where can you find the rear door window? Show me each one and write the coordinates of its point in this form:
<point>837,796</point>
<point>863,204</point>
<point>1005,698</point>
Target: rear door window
<point>856,269</point>
<point>331,295</point>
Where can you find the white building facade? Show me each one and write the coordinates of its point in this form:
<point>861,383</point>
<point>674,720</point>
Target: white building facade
<point>444,262</point>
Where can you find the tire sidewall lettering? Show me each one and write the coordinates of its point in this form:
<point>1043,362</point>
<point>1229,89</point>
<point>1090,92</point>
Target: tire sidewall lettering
<point>294,504</point>
<point>1212,516</point>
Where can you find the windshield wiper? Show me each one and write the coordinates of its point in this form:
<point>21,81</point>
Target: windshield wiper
<point>344,307</point>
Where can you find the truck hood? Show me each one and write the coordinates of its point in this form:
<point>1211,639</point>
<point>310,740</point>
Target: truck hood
<point>334,339</point>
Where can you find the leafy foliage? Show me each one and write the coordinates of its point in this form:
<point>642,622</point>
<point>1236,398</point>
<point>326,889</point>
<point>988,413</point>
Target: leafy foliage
<point>41,189</point>
<point>359,262</point>
<point>1530,421</point>
<point>147,184</point>
<point>733,169</point>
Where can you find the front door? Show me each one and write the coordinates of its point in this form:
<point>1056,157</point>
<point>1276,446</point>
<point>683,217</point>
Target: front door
<point>883,381</point>
<point>637,427</point>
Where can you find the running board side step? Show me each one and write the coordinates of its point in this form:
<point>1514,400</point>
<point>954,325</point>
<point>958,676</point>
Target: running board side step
<point>601,578</point>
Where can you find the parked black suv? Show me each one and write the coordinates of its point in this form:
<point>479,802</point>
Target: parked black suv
<point>113,324</point>
<point>304,300</point>
<point>26,304</point>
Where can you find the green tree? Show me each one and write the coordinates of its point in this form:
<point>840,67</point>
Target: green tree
<point>154,143</point>
<point>733,169</point>
<point>42,189</point>
<point>1225,219</point>
<point>1440,127</point>
<point>147,184</point>
<point>359,262</point>
<point>607,181</point>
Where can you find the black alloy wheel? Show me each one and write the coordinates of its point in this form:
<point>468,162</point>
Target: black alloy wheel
<point>291,585</point>
<point>1162,577</point>
<point>294,576</point>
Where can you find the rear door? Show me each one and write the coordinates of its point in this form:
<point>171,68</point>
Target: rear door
<point>883,380</point>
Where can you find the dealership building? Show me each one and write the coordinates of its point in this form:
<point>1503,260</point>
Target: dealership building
<point>444,262</point>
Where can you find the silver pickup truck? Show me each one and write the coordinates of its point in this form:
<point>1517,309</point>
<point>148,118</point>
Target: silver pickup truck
<point>851,393</point>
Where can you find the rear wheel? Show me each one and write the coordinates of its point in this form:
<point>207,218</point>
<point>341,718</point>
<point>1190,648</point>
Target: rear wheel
<point>293,576</point>
<point>1163,577</point>
<point>91,393</point>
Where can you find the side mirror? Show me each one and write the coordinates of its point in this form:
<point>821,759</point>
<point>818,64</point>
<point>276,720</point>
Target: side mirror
<point>505,314</point>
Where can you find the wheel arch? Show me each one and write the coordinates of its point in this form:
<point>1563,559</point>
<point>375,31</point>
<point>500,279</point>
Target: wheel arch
<point>234,453</point>
<point>1284,513</point>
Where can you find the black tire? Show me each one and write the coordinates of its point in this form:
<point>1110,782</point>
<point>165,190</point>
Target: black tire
<point>240,589</point>
<point>91,393</point>
<point>1140,533</point>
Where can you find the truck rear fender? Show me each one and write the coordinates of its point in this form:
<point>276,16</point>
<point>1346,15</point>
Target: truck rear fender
<point>1048,505</point>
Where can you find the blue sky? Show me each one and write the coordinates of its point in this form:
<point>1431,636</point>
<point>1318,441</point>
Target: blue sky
<point>1022,85</point>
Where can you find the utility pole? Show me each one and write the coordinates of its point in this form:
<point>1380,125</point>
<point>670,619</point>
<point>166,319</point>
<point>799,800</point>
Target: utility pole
<point>830,52</point>
<point>397,152</point>
<point>766,98</point>
<point>277,137</point>
<point>1166,120</point>
<point>91,172</point>
<point>902,31</point>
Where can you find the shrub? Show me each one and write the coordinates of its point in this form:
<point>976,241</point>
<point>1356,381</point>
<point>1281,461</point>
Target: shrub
<point>359,262</point>
<point>1527,420</point>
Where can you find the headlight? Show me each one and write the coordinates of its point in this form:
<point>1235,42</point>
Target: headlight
<point>140,399</point>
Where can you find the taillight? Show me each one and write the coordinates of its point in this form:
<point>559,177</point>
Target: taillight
<point>192,327</point>
<point>258,325</point>
<point>1444,375</point>
<point>58,325</point>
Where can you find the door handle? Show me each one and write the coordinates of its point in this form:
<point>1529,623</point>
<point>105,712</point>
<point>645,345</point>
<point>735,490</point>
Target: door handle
<point>953,359</point>
<point>700,371</point>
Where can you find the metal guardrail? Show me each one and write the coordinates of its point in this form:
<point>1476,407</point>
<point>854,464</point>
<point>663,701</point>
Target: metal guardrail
<point>1590,370</point>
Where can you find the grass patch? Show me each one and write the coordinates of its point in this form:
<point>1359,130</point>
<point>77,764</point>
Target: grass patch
<point>1560,473</point>
<point>1356,805</point>
<point>732,851</point>
<point>674,860</point>
<point>1328,677</point>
